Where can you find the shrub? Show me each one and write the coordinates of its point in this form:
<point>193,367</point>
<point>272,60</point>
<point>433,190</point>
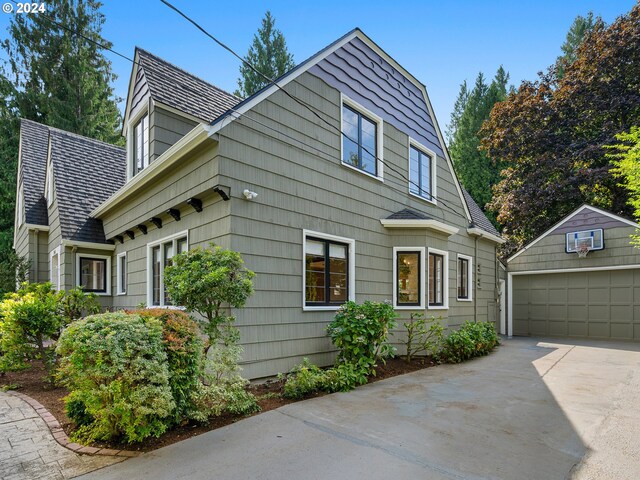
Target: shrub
<point>471,340</point>
<point>360,333</point>
<point>225,390</point>
<point>423,336</point>
<point>75,304</point>
<point>114,365</point>
<point>207,280</point>
<point>307,378</point>
<point>344,377</point>
<point>183,345</point>
<point>28,318</point>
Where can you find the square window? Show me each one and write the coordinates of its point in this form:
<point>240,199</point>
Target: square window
<point>93,274</point>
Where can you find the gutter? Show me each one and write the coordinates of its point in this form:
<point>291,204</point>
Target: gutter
<point>93,245</point>
<point>176,152</point>
<point>475,231</point>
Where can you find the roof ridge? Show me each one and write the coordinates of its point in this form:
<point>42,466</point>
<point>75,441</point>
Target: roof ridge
<point>72,134</point>
<point>172,65</point>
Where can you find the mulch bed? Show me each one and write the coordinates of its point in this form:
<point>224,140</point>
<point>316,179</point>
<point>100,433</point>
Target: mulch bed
<point>30,382</point>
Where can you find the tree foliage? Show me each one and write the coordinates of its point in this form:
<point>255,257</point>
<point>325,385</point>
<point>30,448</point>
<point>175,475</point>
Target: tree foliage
<point>268,54</point>
<point>207,281</point>
<point>54,76</point>
<point>580,28</point>
<point>552,133</point>
<point>477,172</point>
<point>626,158</point>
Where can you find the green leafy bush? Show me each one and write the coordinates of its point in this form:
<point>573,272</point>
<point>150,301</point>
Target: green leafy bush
<point>206,281</point>
<point>182,342</point>
<point>360,333</point>
<point>471,340</point>
<point>116,366</point>
<point>76,303</point>
<point>307,378</point>
<point>225,389</point>
<point>28,318</point>
<point>344,377</point>
<point>423,336</point>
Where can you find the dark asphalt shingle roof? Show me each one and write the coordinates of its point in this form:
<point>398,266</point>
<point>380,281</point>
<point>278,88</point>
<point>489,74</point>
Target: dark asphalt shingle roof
<point>86,173</point>
<point>173,86</point>
<point>478,217</point>
<point>34,143</point>
<point>407,214</point>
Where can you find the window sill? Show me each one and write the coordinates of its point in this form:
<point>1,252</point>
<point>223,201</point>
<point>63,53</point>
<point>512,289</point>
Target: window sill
<point>166,307</point>
<point>119,294</point>
<point>370,175</point>
<point>408,307</point>
<point>323,308</point>
<point>430,202</point>
<point>439,307</point>
<point>465,299</point>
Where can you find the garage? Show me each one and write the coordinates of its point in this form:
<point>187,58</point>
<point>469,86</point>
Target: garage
<point>591,304</point>
<point>579,279</point>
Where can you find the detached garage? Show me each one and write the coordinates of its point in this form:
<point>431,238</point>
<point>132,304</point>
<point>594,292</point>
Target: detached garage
<point>581,278</point>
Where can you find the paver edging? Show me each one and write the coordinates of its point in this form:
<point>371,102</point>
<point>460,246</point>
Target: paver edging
<point>61,437</point>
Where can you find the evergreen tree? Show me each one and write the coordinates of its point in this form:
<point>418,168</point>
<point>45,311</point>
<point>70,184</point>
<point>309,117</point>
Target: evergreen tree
<point>477,172</point>
<point>268,54</point>
<point>458,110</point>
<point>54,76</point>
<point>579,29</point>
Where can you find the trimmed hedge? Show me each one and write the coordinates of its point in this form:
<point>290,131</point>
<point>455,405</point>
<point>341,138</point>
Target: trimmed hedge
<point>471,340</point>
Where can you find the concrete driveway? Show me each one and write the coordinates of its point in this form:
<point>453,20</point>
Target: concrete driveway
<point>532,410</point>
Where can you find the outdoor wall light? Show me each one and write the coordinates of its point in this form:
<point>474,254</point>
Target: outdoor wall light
<point>249,195</point>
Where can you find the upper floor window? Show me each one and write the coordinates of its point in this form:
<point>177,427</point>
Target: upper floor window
<point>361,139</point>
<point>141,144</point>
<point>421,173</point>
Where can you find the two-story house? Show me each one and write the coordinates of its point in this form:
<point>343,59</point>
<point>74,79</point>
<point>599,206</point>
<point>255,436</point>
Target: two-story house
<point>334,184</point>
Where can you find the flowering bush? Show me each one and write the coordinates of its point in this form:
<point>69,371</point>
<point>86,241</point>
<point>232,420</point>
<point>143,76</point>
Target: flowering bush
<point>360,332</point>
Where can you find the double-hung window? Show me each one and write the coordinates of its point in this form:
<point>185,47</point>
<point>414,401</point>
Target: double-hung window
<point>465,284</point>
<point>421,172</point>
<point>159,257</point>
<point>141,144</point>
<point>438,279</point>
<point>93,273</point>
<point>408,272</point>
<point>361,139</point>
<point>328,270</point>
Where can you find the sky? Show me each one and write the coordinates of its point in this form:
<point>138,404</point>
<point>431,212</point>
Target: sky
<point>442,43</point>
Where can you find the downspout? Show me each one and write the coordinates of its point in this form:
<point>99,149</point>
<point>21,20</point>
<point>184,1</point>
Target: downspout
<point>37,262</point>
<point>476,281</point>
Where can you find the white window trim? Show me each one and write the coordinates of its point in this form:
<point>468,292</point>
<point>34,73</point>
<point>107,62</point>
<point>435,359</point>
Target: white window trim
<point>107,270</point>
<point>469,278</point>
<point>351,243</point>
<point>445,280</point>
<point>53,253</point>
<point>121,289</point>
<point>130,140</point>
<point>344,100</point>
<point>423,274</point>
<point>175,236</point>
<point>48,186</point>
<point>434,170</point>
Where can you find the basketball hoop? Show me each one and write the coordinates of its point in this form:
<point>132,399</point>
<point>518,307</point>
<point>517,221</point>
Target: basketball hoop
<point>582,250</point>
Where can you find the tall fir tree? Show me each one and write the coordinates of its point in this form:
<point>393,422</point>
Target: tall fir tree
<point>54,75</point>
<point>580,28</point>
<point>268,54</point>
<point>477,172</point>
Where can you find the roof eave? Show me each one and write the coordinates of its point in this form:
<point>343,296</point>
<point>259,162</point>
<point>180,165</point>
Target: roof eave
<point>478,232</point>
<point>198,135</point>
<point>429,224</point>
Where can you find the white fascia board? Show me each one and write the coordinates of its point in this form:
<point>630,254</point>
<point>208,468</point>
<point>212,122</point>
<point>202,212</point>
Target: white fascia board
<point>429,224</point>
<point>566,219</point>
<point>478,232</point>
<point>33,226</point>
<point>177,151</point>
<point>576,270</point>
<point>95,246</point>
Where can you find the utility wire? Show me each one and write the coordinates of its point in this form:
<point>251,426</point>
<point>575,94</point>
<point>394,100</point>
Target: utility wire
<point>305,105</point>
